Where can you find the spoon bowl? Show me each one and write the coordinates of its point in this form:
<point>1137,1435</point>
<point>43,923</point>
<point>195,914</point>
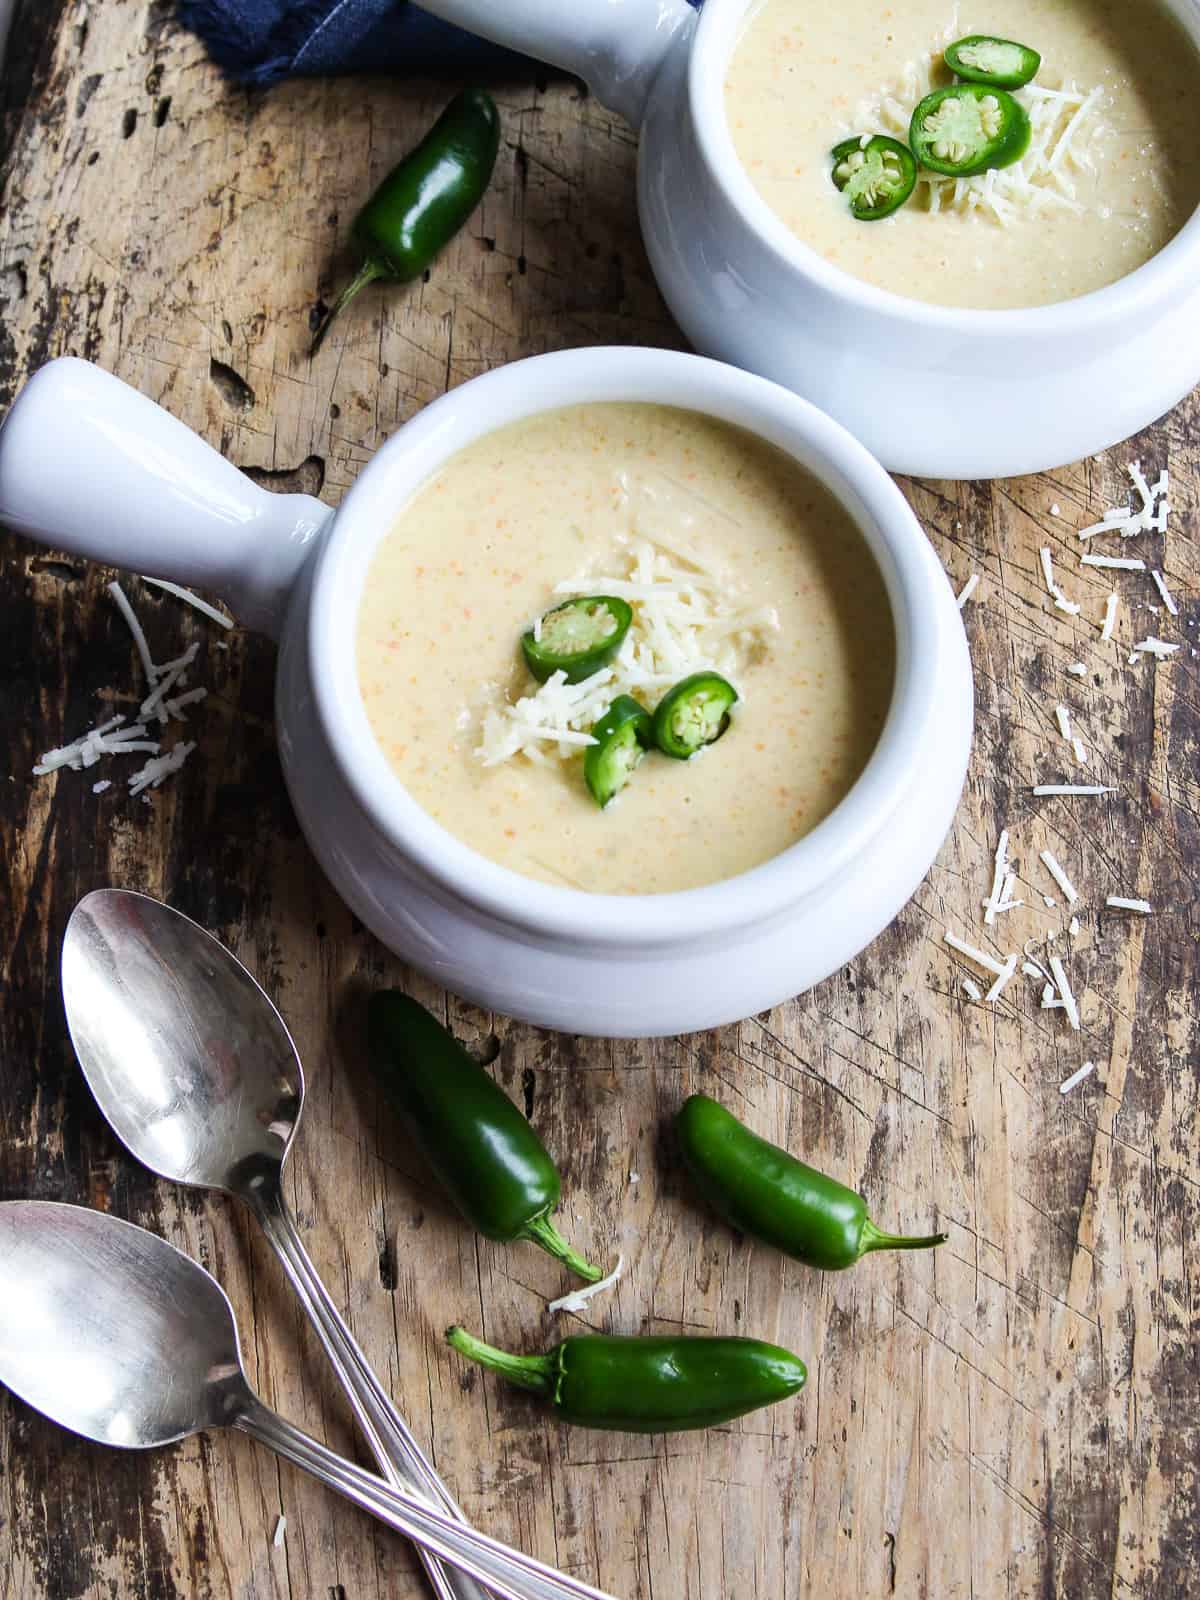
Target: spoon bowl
<point>118,1336</point>
<point>190,1062</point>
<point>114,1334</point>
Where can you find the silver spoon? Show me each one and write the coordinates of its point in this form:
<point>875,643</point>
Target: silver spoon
<point>198,1076</point>
<point>110,1331</point>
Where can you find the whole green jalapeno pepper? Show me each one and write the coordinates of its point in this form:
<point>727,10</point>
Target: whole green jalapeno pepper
<point>646,1385</point>
<point>764,1191</point>
<point>425,199</point>
<point>492,1163</point>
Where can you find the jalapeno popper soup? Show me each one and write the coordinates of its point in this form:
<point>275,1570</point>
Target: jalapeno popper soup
<point>625,648</point>
<point>1086,114</point>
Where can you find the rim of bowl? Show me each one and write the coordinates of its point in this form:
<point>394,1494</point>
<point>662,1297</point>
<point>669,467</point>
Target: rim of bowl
<point>548,382</point>
<point>713,42</point>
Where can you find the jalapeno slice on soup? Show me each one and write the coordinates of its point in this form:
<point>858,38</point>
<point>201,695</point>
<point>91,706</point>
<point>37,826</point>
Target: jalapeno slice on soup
<point>1003,63</point>
<point>692,714</point>
<point>577,638</point>
<point>876,177</point>
<point>968,128</point>
<point>623,735</point>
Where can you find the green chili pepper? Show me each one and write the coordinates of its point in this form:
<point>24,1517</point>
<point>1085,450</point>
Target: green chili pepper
<point>622,736</point>
<point>763,1191</point>
<point>980,58</point>
<point>876,178</point>
<point>425,199</point>
<point>495,1168</point>
<point>647,1385</point>
<point>693,713</point>
<point>577,638</point>
<point>968,128</point>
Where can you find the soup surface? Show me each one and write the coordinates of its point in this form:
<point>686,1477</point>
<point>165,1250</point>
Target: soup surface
<point>803,627</point>
<point>1127,177</point>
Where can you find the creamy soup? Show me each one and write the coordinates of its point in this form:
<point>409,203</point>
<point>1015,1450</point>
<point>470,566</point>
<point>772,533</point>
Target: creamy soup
<point>705,521</point>
<point>1112,175</point>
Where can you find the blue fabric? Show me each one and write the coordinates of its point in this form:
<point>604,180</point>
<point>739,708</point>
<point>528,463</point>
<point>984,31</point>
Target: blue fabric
<point>262,41</point>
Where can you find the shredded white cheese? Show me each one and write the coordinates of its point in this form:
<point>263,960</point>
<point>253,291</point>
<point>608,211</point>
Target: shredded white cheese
<point>1155,647</point>
<point>161,767</point>
<point>999,876</point>
<point>1059,974</point>
<point>191,599</point>
<point>99,788</point>
<point>135,628</point>
<point>1074,788</point>
<point>971,989</point>
<point>1151,514</point>
<point>1060,877</point>
<point>1063,718</point>
<point>1168,599</point>
<point>979,957</point>
<point>687,616</point>
<point>1121,563</point>
<point>1064,126</point>
<point>1077,669</point>
<point>967,590</point>
<point>1002,978</point>
<point>578,1298</point>
<point>1079,750</point>
<point>1073,927</point>
<point>1084,1071</point>
<point>280,1533</point>
<point>1119,903</point>
<point>1052,588</point>
<point>1110,616</point>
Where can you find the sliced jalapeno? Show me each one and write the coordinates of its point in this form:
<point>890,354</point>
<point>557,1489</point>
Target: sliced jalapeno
<point>1005,64</point>
<point>876,177</point>
<point>623,735</point>
<point>693,713</point>
<point>578,637</point>
<point>968,128</point>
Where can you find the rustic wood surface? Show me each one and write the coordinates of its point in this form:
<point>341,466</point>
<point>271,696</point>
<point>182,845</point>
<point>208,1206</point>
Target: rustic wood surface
<point>1017,1416</point>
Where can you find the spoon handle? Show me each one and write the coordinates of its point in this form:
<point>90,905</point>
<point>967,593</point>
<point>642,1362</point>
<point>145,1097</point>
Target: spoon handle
<point>401,1459</point>
<point>507,1572</point>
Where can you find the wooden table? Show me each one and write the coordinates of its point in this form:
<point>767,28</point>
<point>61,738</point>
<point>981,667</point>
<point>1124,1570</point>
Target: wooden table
<point>1016,1416</point>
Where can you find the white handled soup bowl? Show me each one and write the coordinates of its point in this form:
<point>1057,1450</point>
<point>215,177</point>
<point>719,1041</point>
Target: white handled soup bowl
<point>91,466</point>
<point>939,392</point>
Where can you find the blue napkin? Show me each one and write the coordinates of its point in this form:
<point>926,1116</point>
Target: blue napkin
<point>262,41</point>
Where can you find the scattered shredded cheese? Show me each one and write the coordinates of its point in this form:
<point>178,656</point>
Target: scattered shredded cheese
<point>967,590</point>
<point>1063,718</point>
<point>578,1298</point>
<point>191,599</point>
<point>1155,647</point>
<point>1110,616</point>
<point>159,768</point>
<point>99,788</point>
<point>1168,599</point>
<point>280,1533</point>
<point>1077,669</point>
<point>999,875</point>
<point>971,989</point>
<point>979,957</point>
<point>1079,751</point>
<point>1119,903</point>
<point>1059,974</point>
<point>1121,563</point>
<point>1052,588</point>
<point>1060,877</point>
<point>1068,1084</point>
<point>1074,788</point>
<point>135,628</point>
<point>1073,927</point>
<point>1002,978</point>
<point>1151,514</point>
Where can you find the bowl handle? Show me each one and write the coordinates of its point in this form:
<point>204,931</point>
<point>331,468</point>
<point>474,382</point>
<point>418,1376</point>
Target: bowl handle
<point>90,466</point>
<point>615,46</point>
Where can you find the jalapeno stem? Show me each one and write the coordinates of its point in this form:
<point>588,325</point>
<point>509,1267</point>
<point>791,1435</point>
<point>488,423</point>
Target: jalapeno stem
<point>367,273</point>
<point>529,1372</point>
<point>874,1238</point>
<point>542,1231</point>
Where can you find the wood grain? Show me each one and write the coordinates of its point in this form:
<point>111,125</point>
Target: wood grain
<point>1017,1416</point>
